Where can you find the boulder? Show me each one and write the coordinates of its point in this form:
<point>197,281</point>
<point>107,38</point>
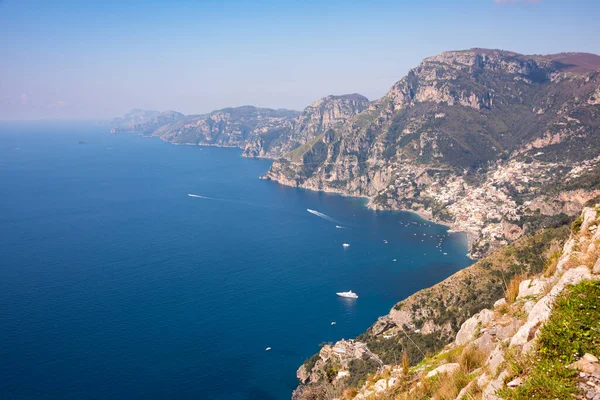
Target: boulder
<point>596,269</point>
<point>485,342</point>
<point>506,328</point>
<point>468,328</point>
<point>531,287</point>
<point>444,369</point>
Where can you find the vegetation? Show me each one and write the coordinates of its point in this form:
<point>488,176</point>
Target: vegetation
<point>572,330</point>
<point>359,369</point>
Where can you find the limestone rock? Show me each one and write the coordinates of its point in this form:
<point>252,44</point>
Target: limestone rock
<point>489,393</point>
<point>444,369</point>
<point>515,382</point>
<point>531,287</point>
<point>465,390</point>
<point>485,343</point>
<point>468,328</point>
<point>495,359</point>
<point>586,366</point>
<point>596,269</point>
<point>542,309</point>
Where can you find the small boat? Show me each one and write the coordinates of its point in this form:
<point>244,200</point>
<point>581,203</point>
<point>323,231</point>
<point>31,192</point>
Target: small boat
<point>267,349</point>
<point>385,241</point>
<point>332,323</point>
<point>346,245</point>
<point>394,260</point>
<point>349,294</point>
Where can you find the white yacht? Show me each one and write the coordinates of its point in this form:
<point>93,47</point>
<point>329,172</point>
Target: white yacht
<point>346,245</point>
<point>349,294</point>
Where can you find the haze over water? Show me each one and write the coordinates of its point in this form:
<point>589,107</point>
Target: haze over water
<point>114,283</point>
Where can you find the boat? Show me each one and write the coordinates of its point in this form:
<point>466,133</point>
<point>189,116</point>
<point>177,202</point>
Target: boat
<point>346,245</point>
<point>349,294</point>
<point>333,323</point>
<point>267,349</point>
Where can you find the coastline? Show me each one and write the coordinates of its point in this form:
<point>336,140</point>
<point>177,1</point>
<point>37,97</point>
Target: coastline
<point>423,214</point>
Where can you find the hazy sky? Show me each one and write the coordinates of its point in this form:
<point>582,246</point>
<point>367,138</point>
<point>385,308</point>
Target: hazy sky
<point>98,59</point>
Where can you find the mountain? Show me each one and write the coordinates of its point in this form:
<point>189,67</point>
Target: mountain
<point>143,121</point>
<point>261,132</point>
<point>316,119</point>
<point>231,127</point>
<point>515,325</point>
<point>490,142</point>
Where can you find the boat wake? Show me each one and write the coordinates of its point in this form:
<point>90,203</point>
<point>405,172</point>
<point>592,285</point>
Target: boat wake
<point>201,197</point>
<point>324,216</point>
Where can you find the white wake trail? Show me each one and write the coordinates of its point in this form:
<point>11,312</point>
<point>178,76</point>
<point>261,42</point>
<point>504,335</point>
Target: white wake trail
<point>321,215</point>
<point>201,197</point>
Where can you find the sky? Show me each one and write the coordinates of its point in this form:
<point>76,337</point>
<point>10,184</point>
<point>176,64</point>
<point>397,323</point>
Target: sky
<point>91,59</point>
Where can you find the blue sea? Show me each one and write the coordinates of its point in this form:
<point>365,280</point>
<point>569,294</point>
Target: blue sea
<point>114,283</point>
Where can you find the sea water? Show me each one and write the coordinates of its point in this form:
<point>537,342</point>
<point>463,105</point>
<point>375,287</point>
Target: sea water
<point>116,282</point>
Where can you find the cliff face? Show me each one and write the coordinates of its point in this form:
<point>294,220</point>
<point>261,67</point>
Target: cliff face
<point>316,119</point>
<point>468,138</point>
<point>516,325</point>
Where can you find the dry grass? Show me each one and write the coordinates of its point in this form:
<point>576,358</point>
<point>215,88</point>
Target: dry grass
<point>551,263</point>
<point>405,363</point>
<point>512,289</point>
<point>575,260</point>
<point>471,359</point>
<point>349,394</point>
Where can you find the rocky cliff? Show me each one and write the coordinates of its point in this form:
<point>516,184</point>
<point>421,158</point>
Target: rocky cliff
<point>531,330</point>
<point>324,114</point>
<point>476,139</point>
